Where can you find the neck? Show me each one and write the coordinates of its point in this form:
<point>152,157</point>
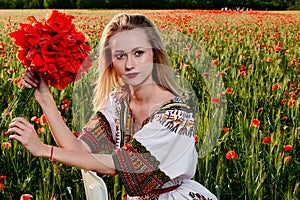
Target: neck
<point>144,94</point>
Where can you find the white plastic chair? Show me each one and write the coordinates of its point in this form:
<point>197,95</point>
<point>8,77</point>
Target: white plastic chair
<point>94,186</point>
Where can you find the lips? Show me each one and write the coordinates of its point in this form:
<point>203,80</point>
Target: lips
<point>131,75</point>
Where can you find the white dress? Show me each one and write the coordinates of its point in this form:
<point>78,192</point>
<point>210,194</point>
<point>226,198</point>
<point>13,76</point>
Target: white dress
<point>157,161</point>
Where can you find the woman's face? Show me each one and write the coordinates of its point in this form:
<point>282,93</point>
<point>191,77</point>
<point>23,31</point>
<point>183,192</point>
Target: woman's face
<point>132,57</point>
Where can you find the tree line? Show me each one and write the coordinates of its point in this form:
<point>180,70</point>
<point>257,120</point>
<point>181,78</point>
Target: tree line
<point>152,4</point>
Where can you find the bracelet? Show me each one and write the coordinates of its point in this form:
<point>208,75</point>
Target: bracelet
<point>51,153</point>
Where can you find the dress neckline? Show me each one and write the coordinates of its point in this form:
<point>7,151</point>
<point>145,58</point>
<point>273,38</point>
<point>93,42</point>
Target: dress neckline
<point>135,127</point>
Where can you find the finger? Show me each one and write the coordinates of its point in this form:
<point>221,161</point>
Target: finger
<point>30,77</point>
<point>29,82</point>
<point>17,119</point>
<point>21,123</point>
<point>16,130</point>
<point>15,137</point>
<point>16,125</point>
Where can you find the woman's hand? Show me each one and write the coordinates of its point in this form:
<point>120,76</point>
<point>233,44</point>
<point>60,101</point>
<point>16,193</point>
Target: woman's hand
<point>31,79</point>
<point>21,130</point>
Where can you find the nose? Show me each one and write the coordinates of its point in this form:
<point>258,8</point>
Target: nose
<point>130,64</point>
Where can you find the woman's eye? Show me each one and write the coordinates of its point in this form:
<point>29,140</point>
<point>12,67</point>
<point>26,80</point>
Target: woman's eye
<point>138,53</point>
<point>120,56</point>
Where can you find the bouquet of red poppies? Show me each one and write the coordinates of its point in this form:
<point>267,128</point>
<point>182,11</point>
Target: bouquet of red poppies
<point>52,48</point>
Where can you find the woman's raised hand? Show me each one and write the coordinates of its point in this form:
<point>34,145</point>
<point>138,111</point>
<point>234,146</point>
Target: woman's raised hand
<point>31,79</point>
<point>21,130</point>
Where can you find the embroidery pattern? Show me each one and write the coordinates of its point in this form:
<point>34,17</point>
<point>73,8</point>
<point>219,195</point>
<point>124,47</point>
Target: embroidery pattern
<point>99,137</point>
<point>197,196</point>
<point>139,170</point>
<point>177,118</point>
<point>123,119</point>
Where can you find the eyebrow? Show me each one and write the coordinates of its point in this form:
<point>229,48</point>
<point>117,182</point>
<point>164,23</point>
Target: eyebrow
<point>134,49</point>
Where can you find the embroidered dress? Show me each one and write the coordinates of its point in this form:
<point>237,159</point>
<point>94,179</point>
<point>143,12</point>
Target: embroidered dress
<point>156,161</point>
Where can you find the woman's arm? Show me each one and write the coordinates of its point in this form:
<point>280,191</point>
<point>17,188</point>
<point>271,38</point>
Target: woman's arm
<point>21,130</point>
<point>61,133</point>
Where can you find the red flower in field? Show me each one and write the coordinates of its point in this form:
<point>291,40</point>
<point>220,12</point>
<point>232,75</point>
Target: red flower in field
<point>65,107</point>
<point>288,148</point>
<point>288,159</point>
<point>6,113</point>
<point>255,123</point>
<point>26,197</point>
<point>284,118</point>
<point>270,59</point>
<point>260,109</point>
<point>293,85</point>
<point>225,129</point>
<point>2,186</point>
<point>41,130</point>
<point>291,103</point>
<point>3,177</point>
<point>286,93</point>
<point>275,86</point>
<point>66,101</point>
<point>43,120</point>
<point>216,100</point>
<point>266,140</point>
<point>228,90</point>
<point>6,145</point>
<point>293,95</point>
<point>196,139</point>
<point>215,62</point>
<point>231,155</point>
<point>278,48</point>
<point>35,119</point>
<point>243,71</point>
<point>283,101</point>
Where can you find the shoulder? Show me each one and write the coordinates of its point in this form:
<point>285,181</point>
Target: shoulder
<point>176,116</point>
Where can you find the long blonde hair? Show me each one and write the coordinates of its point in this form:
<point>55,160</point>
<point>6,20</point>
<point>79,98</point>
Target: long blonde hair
<point>108,78</point>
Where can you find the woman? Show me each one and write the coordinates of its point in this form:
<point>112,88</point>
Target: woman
<point>142,130</point>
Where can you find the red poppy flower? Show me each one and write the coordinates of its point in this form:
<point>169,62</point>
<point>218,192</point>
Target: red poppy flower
<point>54,48</point>
<point>243,71</point>
<point>225,129</point>
<point>291,103</point>
<point>231,155</point>
<point>286,93</point>
<point>216,100</point>
<point>284,118</point>
<point>26,197</point>
<point>2,186</point>
<point>35,119</point>
<point>275,86</point>
<point>266,140</point>
<point>228,90</point>
<point>3,177</point>
<point>43,120</point>
<point>288,159</point>
<point>6,145</point>
<point>283,101</point>
<point>288,148</point>
<point>255,123</point>
<point>260,109</point>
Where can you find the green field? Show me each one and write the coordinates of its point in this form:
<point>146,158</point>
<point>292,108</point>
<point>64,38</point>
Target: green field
<point>245,70</point>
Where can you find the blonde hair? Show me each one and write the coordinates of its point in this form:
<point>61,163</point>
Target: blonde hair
<point>108,78</point>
